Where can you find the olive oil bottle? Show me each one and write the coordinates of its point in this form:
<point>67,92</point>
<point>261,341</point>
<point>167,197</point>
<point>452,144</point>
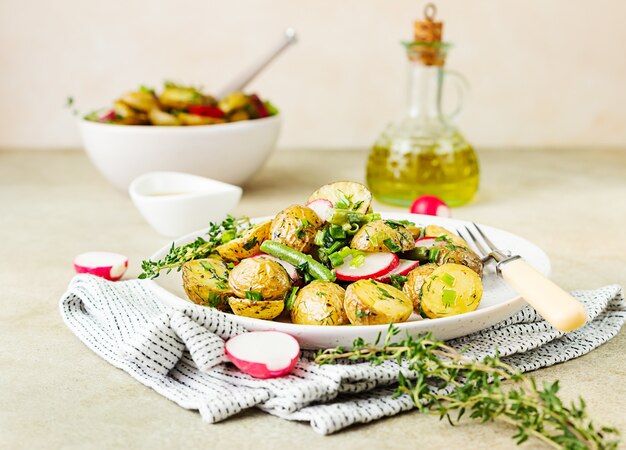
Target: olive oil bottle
<point>424,153</point>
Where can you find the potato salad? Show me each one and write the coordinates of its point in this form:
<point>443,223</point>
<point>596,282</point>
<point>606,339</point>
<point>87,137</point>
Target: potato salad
<point>178,105</point>
<point>329,261</point>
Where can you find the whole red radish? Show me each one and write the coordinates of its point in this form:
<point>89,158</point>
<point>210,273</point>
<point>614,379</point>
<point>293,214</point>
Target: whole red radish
<point>263,354</point>
<point>110,266</point>
<point>431,206</point>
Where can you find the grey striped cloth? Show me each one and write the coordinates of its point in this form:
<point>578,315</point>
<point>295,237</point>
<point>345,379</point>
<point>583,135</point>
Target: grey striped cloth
<point>180,354</point>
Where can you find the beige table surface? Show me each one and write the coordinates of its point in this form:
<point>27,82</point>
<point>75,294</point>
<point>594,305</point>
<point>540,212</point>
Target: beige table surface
<point>55,393</point>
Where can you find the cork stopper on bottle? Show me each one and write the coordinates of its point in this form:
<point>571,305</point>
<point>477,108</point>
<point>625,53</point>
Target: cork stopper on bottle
<point>426,36</point>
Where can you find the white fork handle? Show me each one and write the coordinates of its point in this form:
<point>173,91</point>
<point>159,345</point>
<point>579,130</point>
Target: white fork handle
<point>556,306</point>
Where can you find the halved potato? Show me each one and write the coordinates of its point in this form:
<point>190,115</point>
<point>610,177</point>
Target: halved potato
<point>127,115</point>
<point>261,275</point>
<point>161,118</point>
<point>195,119</point>
<point>450,290</point>
<point>436,231</point>
<point>181,97</point>
<point>233,101</point>
<point>319,303</point>
<point>262,309</point>
<point>414,282</point>
<point>140,100</point>
<point>245,246</point>
<point>345,195</point>
<point>206,282</point>
<point>458,254</point>
<point>296,227</point>
<point>369,302</point>
<point>383,236</point>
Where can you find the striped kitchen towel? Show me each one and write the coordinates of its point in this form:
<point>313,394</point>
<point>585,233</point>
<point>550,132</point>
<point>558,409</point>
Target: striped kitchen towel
<point>180,354</point>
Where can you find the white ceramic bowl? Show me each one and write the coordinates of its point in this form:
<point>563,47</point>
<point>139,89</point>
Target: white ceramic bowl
<point>175,203</point>
<point>230,152</point>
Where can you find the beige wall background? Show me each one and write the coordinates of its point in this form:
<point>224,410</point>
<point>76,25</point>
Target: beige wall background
<point>543,72</point>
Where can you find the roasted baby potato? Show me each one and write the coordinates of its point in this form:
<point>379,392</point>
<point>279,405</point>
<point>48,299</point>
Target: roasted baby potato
<point>141,100</point>
<point>345,195</point>
<point>436,231</point>
<point>415,231</point>
<point>181,97</point>
<point>450,290</point>
<point>414,282</point>
<point>383,236</point>
<point>195,119</point>
<point>319,303</point>
<point>263,276</point>
<point>262,309</point>
<point>296,227</point>
<point>451,252</point>
<point>370,302</point>
<point>128,116</point>
<point>161,118</point>
<point>245,246</point>
<point>233,101</point>
<point>206,282</point>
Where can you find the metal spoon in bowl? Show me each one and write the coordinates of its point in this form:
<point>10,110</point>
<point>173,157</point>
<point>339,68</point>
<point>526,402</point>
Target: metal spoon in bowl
<point>289,37</point>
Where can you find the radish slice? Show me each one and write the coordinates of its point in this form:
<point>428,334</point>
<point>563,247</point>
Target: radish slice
<point>102,264</point>
<point>431,206</point>
<point>404,267</point>
<point>322,208</point>
<point>290,268</point>
<point>427,242</point>
<point>374,265</point>
<point>263,354</point>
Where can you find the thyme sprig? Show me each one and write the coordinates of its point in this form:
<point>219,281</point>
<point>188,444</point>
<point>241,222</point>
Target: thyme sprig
<point>218,233</point>
<point>445,382</point>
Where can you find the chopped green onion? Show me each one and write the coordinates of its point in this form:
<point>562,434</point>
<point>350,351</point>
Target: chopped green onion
<point>337,232</point>
<point>255,296</point>
<point>448,297</point>
<point>443,237</point>
<point>448,279</point>
<point>335,246</point>
<point>319,238</point>
<point>335,259</point>
<point>357,261</point>
<point>391,245</point>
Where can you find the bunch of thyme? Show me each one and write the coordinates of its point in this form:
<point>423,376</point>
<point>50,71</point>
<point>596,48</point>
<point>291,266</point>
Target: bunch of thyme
<point>218,233</point>
<point>448,382</point>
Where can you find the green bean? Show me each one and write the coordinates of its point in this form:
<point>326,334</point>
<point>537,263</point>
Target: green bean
<point>298,259</point>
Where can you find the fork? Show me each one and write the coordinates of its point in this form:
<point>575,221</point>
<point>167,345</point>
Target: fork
<point>555,305</point>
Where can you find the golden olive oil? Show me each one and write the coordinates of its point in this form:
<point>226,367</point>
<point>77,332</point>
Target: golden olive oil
<point>400,170</point>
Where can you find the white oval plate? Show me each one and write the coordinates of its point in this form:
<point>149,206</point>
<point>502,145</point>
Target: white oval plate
<point>498,303</point>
